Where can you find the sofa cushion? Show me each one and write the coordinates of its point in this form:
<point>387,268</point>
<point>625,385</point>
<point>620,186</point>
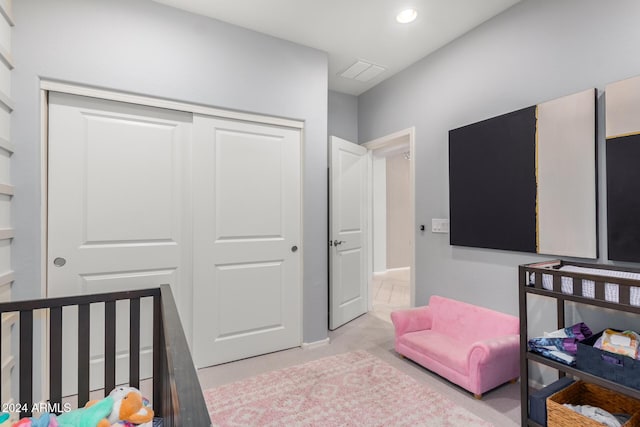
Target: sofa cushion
<point>446,349</point>
<point>470,323</point>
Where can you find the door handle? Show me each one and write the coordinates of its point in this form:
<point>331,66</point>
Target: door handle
<point>338,242</point>
<point>59,262</point>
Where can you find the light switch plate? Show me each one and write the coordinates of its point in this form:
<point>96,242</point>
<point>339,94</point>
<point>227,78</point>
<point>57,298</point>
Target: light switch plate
<point>439,225</point>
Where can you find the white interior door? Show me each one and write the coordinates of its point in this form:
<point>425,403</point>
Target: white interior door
<point>247,277</point>
<point>116,211</point>
<point>348,212</point>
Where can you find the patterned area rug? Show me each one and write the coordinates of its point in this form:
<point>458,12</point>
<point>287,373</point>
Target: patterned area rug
<point>350,389</point>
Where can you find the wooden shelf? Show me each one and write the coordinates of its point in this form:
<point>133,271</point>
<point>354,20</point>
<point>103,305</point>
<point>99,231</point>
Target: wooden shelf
<point>585,376</point>
<point>599,300</point>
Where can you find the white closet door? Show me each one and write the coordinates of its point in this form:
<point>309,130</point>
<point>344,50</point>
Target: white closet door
<point>117,209</point>
<point>247,255</point>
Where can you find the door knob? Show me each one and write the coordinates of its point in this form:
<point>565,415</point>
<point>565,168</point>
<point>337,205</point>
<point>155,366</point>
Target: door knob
<point>59,262</point>
<point>294,248</point>
<point>338,242</point>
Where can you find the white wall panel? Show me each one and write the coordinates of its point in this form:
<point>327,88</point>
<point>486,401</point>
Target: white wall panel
<point>5,35</point>
<point>5,160</point>
<point>6,274</point>
<point>5,255</point>
<point>5,123</point>
<point>623,98</point>
<point>5,212</point>
<point>7,9</point>
<point>5,78</point>
<point>566,176</point>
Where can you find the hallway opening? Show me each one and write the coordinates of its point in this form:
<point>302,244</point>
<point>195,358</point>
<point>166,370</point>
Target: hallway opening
<point>392,230</point>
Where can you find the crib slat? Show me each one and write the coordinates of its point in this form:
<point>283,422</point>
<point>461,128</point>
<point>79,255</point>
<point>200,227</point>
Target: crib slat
<point>599,292</point>
<point>26,361</point>
<point>134,343</point>
<point>557,283</point>
<point>625,296</point>
<point>577,287</point>
<point>109,346</point>
<point>55,355</point>
<point>84,330</point>
<point>158,380</point>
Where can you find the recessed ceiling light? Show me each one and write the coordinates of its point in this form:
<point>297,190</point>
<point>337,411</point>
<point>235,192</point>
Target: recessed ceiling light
<point>406,16</point>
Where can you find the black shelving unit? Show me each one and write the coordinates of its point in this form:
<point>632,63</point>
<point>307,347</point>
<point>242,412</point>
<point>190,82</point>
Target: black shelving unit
<point>526,288</point>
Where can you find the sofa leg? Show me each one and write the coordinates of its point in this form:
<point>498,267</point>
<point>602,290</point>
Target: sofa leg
<point>513,381</point>
<point>478,396</point>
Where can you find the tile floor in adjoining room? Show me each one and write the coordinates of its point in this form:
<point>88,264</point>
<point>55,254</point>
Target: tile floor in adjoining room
<point>501,406</point>
<point>390,292</point>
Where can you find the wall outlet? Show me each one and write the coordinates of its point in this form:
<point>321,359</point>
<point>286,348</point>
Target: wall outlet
<point>439,225</point>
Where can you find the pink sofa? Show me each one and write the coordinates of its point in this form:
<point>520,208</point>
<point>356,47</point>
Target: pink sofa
<point>474,347</point>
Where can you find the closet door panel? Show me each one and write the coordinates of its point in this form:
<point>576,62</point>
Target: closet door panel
<point>247,284</point>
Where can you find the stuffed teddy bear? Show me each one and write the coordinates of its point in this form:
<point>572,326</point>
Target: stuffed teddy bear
<point>129,408</point>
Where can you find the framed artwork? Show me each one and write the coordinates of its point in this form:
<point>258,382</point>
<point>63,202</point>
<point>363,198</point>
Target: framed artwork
<point>526,180</point>
<point>623,169</point>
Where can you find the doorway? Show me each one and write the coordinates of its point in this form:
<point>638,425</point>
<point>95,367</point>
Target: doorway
<point>392,219</point>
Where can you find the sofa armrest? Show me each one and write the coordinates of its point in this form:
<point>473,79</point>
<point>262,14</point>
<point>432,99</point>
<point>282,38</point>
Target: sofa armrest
<point>414,319</point>
<point>506,347</point>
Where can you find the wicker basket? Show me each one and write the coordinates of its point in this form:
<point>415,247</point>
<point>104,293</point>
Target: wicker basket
<point>581,393</point>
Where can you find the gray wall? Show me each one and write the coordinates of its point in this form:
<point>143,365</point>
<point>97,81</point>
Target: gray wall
<point>535,51</point>
<point>143,47</point>
<point>343,116</point>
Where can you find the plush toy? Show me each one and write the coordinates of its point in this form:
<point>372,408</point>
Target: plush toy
<point>45,420</point>
<point>129,407</point>
<point>94,415</point>
<point>124,406</point>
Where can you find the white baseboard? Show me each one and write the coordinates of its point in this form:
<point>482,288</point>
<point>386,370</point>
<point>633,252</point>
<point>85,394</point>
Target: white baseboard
<point>399,270</point>
<point>315,344</point>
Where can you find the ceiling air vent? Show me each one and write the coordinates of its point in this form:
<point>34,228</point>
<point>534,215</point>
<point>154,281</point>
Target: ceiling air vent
<point>362,71</point>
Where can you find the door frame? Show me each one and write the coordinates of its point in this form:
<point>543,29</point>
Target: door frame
<point>386,142</point>
<point>48,85</point>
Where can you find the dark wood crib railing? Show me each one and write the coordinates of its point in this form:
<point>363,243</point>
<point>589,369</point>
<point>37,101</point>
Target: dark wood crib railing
<point>177,395</point>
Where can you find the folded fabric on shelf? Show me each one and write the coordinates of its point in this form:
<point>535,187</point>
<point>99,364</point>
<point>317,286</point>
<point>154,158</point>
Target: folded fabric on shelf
<point>561,345</point>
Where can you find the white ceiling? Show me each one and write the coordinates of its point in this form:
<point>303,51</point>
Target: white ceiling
<point>351,30</point>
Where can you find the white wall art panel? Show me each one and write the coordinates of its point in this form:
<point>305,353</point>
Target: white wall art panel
<point>623,99</point>
<point>566,176</point>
